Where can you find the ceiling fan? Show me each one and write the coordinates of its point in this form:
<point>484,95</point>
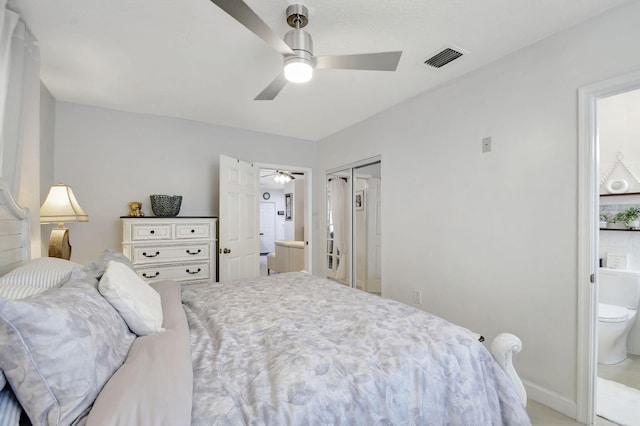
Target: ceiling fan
<point>282,176</point>
<point>297,48</point>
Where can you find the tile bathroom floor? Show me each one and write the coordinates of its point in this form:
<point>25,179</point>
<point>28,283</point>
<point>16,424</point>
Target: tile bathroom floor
<point>627,372</point>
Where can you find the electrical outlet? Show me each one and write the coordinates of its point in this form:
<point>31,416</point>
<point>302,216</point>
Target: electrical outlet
<point>417,297</point>
<point>486,144</point>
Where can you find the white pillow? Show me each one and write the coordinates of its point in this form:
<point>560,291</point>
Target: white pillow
<point>43,272</point>
<point>134,299</point>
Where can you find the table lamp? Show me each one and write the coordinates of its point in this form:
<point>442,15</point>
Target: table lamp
<point>59,207</point>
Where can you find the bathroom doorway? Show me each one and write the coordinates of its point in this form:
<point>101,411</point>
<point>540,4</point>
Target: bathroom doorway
<point>605,173</point>
<point>618,374</point>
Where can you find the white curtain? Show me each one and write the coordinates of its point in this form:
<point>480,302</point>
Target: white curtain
<point>20,116</point>
<point>339,209</point>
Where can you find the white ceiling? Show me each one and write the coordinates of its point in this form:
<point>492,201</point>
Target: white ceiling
<point>190,60</point>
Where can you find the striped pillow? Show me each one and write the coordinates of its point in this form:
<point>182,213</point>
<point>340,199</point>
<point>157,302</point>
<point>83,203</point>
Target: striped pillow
<point>10,409</point>
<point>17,291</point>
<point>43,272</point>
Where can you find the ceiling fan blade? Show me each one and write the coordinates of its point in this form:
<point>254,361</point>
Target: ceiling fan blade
<point>247,17</point>
<point>272,90</point>
<point>382,61</point>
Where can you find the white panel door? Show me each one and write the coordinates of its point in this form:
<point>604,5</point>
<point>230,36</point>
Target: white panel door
<point>238,220</point>
<point>267,227</point>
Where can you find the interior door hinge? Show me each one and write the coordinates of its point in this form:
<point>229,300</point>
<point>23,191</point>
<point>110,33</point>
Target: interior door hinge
<point>592,278</point>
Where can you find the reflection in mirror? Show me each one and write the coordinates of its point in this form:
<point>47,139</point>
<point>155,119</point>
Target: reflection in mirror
<point>367,228</point>
<point>354,240</point>
<point>339,226</point>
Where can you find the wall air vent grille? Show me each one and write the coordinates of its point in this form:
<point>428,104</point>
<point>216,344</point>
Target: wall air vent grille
<point>443,58</point>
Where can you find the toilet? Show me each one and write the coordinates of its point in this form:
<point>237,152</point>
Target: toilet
<point>619,297</point>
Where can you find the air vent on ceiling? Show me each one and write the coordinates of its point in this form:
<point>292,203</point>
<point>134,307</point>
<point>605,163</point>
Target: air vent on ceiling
<point>443,57</point>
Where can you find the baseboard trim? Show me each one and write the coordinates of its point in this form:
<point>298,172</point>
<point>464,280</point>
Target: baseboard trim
<point>551,399</point>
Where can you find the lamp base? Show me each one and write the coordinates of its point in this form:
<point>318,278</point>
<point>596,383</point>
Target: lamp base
<point>59,244</point>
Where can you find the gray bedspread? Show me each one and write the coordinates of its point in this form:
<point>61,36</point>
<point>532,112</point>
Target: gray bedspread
<point>293,349</point>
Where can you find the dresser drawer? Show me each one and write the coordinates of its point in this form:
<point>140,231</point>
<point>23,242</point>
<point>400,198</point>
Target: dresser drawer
<point>186,272</point>
<point>149,231</point>
<point>192,230</point>
<point>182,249</point>
<point>160,254</point>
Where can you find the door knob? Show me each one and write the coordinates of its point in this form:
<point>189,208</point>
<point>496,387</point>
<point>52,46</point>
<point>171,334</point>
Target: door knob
<point>226,251</point>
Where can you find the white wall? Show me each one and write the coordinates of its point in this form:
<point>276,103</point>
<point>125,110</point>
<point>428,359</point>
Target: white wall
<point>298,208</point>
<point>619,132</point>
<point>491,239</point>
<point>111,158</point>
<point>47,126</point>
<point>279,199</point>
<point>294,229</point>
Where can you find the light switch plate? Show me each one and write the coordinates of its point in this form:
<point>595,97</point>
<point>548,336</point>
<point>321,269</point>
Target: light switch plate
<point>486,144</point>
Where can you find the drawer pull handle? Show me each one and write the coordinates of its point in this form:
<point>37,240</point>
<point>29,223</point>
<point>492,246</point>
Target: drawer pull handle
<point>193,231</point>
<point>144,274</point>
<point>194,252</point>
<point>144,253</point>
<point>152,231</point>
<point>194,272</point>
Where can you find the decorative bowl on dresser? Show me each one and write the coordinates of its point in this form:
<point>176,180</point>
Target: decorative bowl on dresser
<point>177,248</point>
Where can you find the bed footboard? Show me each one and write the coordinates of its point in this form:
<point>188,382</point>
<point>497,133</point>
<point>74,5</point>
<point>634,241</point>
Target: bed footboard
<point>502,348</point>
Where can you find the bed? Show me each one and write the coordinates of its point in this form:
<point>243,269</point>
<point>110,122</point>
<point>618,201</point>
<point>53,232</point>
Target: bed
<point>289,349</point>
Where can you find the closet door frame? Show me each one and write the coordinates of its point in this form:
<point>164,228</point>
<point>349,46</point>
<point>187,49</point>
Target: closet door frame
<point>351,170</point>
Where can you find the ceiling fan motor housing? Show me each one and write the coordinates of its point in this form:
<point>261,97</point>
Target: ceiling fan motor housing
<point>300,42</point>
<point>298,39</point>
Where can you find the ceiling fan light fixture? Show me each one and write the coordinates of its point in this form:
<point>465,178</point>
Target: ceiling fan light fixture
<point>282,178</point>
<point>298,70</point>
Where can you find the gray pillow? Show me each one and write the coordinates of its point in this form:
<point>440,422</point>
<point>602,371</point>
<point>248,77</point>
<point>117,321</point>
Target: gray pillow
<point>58,348</point>
<point>97,268</point>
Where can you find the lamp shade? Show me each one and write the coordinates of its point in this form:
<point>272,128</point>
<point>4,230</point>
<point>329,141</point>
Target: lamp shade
<point>61,206</point>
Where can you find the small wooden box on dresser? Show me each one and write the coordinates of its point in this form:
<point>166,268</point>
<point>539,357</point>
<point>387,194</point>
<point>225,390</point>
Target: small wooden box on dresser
<point>175,248</point>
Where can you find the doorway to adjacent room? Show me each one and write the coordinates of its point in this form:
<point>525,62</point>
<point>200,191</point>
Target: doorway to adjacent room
<point>594,176</point>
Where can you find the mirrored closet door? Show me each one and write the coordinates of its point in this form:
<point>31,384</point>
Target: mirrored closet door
<point>354,225</point>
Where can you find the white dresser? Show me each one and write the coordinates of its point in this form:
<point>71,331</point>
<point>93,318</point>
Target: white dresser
<point>175,248</point>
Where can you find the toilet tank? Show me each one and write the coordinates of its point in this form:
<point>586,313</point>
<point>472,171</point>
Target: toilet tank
<point>619,287</point>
